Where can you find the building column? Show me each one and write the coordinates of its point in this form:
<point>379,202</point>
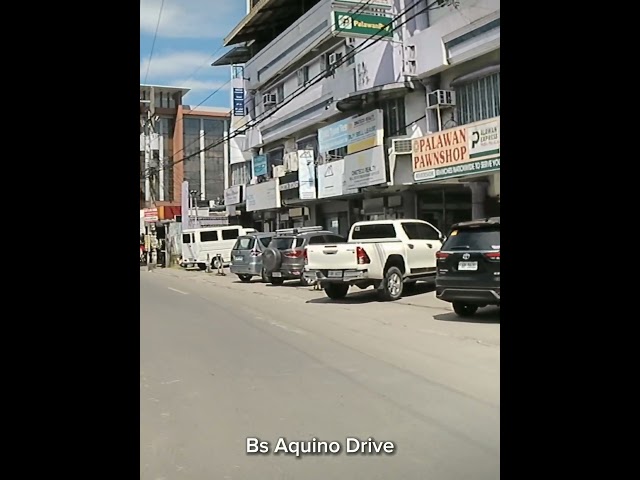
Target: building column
<point>203,173</point>
<point>410,204</point>
<point>478,197</point>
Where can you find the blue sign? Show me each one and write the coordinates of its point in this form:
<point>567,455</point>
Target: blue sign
<point>334,136</point>
<point>259,165</point>
<point>238,102</point>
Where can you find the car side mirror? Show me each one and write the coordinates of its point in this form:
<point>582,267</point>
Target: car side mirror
<point>442,238</point>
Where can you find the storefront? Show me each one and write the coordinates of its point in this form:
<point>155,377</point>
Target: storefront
<point>468,155</point>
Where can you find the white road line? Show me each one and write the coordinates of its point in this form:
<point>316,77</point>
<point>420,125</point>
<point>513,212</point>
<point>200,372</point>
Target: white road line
<point>179,291</point>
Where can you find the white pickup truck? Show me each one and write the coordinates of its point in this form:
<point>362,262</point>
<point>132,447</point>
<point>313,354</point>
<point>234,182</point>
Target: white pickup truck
<point>387,254</point>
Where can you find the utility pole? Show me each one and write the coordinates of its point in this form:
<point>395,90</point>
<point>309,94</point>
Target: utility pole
<point>149,129</point>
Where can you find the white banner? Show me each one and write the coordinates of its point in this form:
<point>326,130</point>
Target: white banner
<point>263,196</point>
<point>307,174</point>
<point>364,169</point>
<point>233,195</point>
<point>331,180</point>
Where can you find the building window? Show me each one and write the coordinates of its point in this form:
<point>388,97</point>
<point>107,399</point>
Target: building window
<point>479,99</point>
<point>240,173</point>
<point>394,117</point>
<point>351,56</point>
<point>303,75</point>
<point>280,93</point>
<point>274,157</point>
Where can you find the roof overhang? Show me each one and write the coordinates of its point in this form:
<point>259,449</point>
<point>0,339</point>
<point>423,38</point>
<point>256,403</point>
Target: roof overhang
<point>235,56</point>
<point>266,16</point>
<point>358,100</point>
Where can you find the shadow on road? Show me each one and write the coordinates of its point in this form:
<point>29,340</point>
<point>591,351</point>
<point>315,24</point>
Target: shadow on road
<point>369,295</point>
<point>483,315</point>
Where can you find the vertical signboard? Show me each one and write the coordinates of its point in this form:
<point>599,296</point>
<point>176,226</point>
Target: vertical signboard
<point>238,102</point>
<point>259,165</point>
<point>307,174</point>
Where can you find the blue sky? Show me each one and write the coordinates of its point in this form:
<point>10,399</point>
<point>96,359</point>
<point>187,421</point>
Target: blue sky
<point>190,32</point>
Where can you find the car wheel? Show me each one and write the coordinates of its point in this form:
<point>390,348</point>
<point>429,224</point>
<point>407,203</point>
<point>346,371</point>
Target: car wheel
<point>392,285</point>
<point>336,291</point>
<point>264,276</point>
<point>276,280</point>
<point>464,309</point>
<point>202,266</point>
<point>215,264</point>
<point>303,281</point>
<point>245,278</point>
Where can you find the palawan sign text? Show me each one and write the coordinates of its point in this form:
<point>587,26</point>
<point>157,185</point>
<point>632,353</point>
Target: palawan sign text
<point>466,150</point>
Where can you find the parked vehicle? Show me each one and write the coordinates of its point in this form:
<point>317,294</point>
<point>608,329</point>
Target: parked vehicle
<point>387,254</point>
<point>246,256</point>
<point>469,266</point>
<point>202,245</point>
<point>284,259</point>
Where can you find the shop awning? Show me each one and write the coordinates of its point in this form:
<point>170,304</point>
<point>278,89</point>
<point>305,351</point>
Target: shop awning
<point>235,56</point>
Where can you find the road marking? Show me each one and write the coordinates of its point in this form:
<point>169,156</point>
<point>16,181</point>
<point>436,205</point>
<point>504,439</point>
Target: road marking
<point>169,383</point>
<point>176,290</point>
<point>288,329</point>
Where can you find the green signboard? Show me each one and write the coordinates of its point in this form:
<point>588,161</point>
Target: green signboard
<point>468,168</point>
<point>355,24</point>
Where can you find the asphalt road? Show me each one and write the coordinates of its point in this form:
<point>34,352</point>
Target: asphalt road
<point>220,363</point>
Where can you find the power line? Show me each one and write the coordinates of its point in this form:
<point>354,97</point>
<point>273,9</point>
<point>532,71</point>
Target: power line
<point>153,44</point>
<point>172,156</point>
<point>265,115</point>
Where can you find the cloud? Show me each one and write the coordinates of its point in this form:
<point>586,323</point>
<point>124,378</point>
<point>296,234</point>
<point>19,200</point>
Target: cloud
<point>176,64</point>
<point>191,18</point>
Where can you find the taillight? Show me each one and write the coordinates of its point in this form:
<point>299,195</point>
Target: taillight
<point>255,253</point>
<point>441,255</point>
<point>306,257</point>
<point>362,256</point>
<point>493,256</point>
<point>294,254</point>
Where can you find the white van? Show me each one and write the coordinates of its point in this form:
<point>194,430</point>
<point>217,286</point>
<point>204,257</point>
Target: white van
<point>200,245</point>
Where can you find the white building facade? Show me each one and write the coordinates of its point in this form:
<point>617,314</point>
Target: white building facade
<point>371,109</point>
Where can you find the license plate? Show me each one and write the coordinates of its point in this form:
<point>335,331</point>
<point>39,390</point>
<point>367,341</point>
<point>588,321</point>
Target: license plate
<point>468,266</point>
<point>334,274</point>
<point>237,259</point>
<point>276,274</point>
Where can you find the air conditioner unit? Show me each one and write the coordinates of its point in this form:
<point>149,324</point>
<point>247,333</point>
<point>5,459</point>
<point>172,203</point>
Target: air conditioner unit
<point>401,145</point>
<point>410,68</point>
<point>351,41</point>
<point>441,98</point>
<point>269,99</point>
<point>410,52</point>
<point>291,161</point>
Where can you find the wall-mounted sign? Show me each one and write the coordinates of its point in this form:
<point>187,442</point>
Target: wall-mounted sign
<point>238,102</point>
<point>289,186</point>
<point>456,152</point>
<point>369,3</point>
<point>259,165</point>
<point>364,169</point>
<point>348,24</point>
<point>307,174</point>
<point>151,215</point>
<point>233,195</point>
<point>331,180</point>
<point>263,196</point>
<point>355,133</point>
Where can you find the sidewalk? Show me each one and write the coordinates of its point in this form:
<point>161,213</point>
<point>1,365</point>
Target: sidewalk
<point>424,297</point>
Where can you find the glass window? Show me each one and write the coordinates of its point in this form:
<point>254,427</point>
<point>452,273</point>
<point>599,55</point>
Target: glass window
<point>230,234</point>
<point>479,99</point>
<point>479,238</point>
<point>209,236</point>
<point>186,238</point>
<point>373,231</point>
<point>280,93</point>
<point>244,243</point>
<point>282,243</point>
<point>420,231</point>
<point>265,241</point>
<point>316,240</point>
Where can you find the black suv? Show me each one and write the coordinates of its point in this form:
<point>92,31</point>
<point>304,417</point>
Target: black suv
<point>468,273</point>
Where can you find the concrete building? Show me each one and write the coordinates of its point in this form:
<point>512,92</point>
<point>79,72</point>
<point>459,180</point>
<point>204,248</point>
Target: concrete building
<point>352,108</point>
<point>173,153</point>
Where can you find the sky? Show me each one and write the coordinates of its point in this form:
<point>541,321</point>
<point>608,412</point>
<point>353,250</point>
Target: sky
<point>189,33</point>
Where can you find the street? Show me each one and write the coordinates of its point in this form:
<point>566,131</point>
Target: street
<point>221,361</point>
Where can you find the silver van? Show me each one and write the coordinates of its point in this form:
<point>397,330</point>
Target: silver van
<point>246,256</point>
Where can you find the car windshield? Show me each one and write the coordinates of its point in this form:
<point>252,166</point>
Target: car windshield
<point>478,238</point>
<point>244,243</point>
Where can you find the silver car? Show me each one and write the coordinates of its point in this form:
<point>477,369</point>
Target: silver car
<point>246,256</point>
